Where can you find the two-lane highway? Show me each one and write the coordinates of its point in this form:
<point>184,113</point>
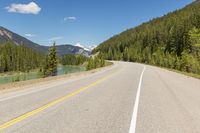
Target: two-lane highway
<point>124,98</point>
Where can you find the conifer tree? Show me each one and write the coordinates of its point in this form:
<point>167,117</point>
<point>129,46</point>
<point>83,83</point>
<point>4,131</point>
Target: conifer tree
<point>50,65</point>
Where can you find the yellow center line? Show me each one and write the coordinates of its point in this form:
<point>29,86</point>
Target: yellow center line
<point>40,109</point>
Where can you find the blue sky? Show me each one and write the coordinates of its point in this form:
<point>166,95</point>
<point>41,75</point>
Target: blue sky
<point>88,22</point>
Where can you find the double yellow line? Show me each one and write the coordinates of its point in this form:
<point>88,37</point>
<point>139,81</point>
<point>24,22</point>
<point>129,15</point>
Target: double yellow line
<point>40,109</point>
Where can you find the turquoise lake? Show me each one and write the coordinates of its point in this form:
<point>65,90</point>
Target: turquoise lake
<point>34,75</point>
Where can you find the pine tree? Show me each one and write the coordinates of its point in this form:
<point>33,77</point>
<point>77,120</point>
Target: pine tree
<point>50,65</point>
<point>52,60</point>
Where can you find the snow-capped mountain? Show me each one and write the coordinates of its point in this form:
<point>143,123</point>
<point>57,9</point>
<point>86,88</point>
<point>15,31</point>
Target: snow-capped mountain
<point>92,47</point>
<point>87,48</point>
<point>7,35</point>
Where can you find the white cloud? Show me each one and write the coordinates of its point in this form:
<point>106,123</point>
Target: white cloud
<point>56,38</point>
<point>70,18</point>
<point>29,35</point>
<point>30,8</point>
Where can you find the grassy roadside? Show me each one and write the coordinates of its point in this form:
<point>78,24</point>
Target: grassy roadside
<point>108,63</point>
<point>15,73</point>
<point>185,73</point>
<point>197,76</point>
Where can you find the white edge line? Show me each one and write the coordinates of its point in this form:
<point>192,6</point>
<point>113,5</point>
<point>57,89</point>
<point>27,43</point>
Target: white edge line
<point>135,109</point>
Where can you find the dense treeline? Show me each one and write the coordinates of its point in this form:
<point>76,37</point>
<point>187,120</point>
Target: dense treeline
<point>95,62</point>
<point>171,41</point>
<point>18,58</point>
<point>70,59</point>
<point>92,62</point>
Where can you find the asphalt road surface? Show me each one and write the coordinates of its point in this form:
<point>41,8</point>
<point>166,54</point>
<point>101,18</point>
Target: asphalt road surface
<point>124,98</point>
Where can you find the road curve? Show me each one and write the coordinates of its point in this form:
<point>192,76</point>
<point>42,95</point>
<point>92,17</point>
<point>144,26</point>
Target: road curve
<point>117,99</point>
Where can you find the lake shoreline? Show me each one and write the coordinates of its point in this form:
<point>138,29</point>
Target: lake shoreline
<point>27,83</point>
<point>10,77</point>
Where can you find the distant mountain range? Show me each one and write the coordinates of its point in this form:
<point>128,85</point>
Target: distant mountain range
<point>89,48</point>
<point>7,35</point>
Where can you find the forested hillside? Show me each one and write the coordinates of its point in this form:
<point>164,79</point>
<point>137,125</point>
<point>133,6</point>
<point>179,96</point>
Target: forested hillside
<point>171,41</point>
<point>19,58</point>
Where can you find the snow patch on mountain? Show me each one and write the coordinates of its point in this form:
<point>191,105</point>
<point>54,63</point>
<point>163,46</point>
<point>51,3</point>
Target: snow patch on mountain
<point>5,33</point>
<point>86,48</point>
